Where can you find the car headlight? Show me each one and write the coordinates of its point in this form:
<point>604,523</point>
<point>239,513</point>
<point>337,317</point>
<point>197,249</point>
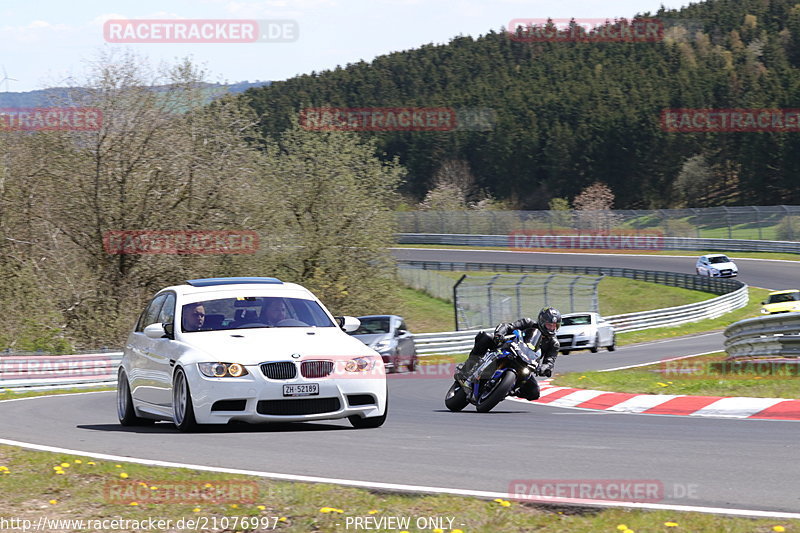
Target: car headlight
<point>381,345</point>
<point>222,370</point>
<point>359,364</point>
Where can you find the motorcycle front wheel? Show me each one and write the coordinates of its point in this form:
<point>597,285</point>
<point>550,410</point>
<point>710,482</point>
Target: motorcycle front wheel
<point>456,398</point>
<point>491,397</point>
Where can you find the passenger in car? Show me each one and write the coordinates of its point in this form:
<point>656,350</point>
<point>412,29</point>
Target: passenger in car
<point>194,315</point>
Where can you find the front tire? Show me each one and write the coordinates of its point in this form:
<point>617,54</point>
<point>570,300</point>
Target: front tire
<point>456,398</point>
<point>372,422</point>
<point>125,411</point>
<point>594,348</point>
<point>487,401</point>
<point>182,408</point>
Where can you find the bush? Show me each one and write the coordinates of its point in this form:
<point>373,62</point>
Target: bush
<point>789,229</point>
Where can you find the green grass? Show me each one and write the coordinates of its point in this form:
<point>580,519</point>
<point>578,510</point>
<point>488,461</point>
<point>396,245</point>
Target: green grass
<point>90,489</point>
<point>752,309</point>
<point>425,314</point>
<point>618,296</point>
<point>668,378</point>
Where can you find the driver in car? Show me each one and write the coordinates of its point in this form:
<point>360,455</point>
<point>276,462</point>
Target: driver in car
<point>274,312</point>
<point>548,322</point>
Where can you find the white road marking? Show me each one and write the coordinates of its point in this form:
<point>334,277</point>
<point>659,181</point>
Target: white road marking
<point>410,488</point>
<point>656,362</point>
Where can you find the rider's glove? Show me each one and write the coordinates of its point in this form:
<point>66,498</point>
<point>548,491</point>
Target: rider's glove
<point>545,371</point>
<point>500,332</point>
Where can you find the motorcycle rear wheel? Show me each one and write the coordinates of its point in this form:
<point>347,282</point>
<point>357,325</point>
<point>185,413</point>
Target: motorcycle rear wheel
<point>456,398</point>
<point>489,399</point>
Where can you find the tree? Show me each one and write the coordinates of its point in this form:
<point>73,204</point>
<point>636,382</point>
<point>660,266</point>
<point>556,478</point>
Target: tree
<point>593,206</point>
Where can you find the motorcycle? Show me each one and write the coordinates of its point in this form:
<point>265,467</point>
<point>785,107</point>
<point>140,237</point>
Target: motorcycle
<point>508,370</point>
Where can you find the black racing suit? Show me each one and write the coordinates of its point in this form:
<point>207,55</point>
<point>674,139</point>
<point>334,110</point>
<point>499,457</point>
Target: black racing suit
<point>549,346</point>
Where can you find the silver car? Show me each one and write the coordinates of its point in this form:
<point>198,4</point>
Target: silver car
<point>581,331</point>
<point>716,266</point>
<point>389,336</point>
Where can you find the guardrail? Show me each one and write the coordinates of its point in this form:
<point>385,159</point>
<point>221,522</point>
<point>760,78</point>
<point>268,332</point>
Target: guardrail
<point>767,336</point>
<point>34,372</point>
<point>661,243</point>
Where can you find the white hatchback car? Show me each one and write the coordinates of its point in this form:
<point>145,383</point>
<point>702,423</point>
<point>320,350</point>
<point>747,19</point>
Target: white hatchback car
<point>581,331</point>
<point>716,266</point>
<point>254,350</point>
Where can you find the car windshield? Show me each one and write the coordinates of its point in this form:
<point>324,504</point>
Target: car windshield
<point>719,259</point>
<point>580,320</point>
<point>372,326</point>
<point>788,297</point>
<point>253,312</point>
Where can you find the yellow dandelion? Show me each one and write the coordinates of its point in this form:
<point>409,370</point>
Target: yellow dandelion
<point>234,506</point>
<point>134,504</point>
<point>779,529</point>
<point>628,531</point>
<point>456,531</point>
<point>91,463</point>
<point>64,465</point>
<point>60,472</point>
<point>142,484</point>
<point>622,527</point>
<point>6,471</point>
<point>506,503</point>
<point>3,468</point>
<point>117,466</point>
<point>438,530</point>
<point>53,502</point>
<point>196,510</point>
<point>261,508</point>
<point>208,485</point>
<point>282,519</point>
<point>325,510</point>
<point>374,511</point>
<point>123,475</point>
<point>498,500</point>
<point>153,488</point>
<point>671,524</point>
<point>661,385</point>
<point>78,461</point>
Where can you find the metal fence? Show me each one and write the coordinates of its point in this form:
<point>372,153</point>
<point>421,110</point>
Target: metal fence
<point>772,223</point>
<point>428,281</point>
<point>482,301</point>
<point>643,242</point>
<point>769,336</point>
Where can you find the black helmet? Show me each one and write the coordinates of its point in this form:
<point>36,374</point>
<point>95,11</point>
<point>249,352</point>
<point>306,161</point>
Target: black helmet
<point>549,321</point>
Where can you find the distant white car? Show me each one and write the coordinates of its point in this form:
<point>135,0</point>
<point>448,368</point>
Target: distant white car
<point>716,266</point>
<point>217,350</point>
<point>581,331</point>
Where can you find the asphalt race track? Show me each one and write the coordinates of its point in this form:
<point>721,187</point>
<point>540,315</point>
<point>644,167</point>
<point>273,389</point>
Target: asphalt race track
<point>699,462</point>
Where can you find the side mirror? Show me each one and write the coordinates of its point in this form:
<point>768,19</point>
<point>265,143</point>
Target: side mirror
<point>764,302</point>
<point>155,331</point>
<point>348,323</point>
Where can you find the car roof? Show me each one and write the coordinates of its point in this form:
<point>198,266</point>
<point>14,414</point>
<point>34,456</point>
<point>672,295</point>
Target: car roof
<point>715,255</point>
<point>379,316</point>
<point>787,291</point>
<point>233,284</point>
<point>579,314</point>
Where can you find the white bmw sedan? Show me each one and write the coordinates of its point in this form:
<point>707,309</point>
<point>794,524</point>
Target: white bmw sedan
<point>581,331</point>
<point>219,350</point>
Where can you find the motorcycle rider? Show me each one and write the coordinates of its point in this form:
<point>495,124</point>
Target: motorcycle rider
<point>548,322</point>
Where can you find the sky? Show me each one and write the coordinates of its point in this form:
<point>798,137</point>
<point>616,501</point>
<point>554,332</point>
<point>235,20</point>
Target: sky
<point>45,43</point>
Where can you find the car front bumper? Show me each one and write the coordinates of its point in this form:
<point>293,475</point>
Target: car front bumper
<point>256,399</point>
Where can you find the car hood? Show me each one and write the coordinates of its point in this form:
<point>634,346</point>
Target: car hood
<point>253,346</point>
<point>780,307</point>
<point>723,266</point>
<point>372,338</point>
<point>574,330</point>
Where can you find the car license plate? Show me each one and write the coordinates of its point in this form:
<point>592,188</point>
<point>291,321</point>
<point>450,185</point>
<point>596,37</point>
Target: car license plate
<point>303,389</point>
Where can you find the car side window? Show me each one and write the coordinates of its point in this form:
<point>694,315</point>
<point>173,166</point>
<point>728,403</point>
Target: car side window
<point>167,314</point>
<point>150,315</point>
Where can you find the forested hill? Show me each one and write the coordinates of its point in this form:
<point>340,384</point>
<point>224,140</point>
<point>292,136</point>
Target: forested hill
<point>571,113</point>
